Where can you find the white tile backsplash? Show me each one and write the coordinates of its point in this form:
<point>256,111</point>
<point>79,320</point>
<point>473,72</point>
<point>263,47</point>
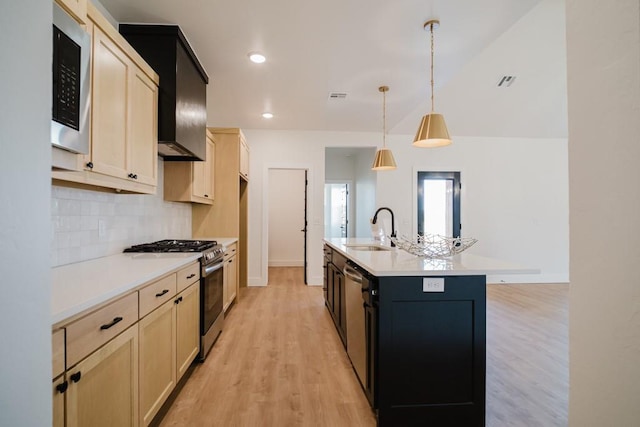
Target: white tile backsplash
<point>91,224</point>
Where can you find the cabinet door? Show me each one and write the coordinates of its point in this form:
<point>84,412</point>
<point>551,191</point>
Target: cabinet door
<point>232,279</point>
<point>202,178</point>
<point>244,159</point>
<point>225,285</point>
<point>209,168</point>
<point>58,401</point>
<point>188,328</point>
<point>340,294</point>
<point>157,360</point>
<point>142,141</point>
<point>103,388</point>
<point>330,288</point>
<point>109,103</point>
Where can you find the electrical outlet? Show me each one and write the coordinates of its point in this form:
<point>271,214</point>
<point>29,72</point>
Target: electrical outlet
<point>433,284</point>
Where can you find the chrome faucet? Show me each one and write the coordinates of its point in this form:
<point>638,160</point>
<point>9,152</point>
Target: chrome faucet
<point>393,225</point>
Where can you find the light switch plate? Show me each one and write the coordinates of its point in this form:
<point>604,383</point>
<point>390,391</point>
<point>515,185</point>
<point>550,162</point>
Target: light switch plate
<point>433,284</point>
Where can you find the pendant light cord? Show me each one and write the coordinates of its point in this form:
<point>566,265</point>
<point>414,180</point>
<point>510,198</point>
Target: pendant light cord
<point>384,119</point>
<point>432,103</point>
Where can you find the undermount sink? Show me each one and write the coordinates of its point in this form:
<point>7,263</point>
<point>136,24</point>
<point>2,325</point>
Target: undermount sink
<point>365,247</point>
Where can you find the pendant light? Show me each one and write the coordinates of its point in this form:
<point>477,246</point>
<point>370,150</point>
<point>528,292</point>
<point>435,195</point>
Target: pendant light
<point>384,160</point>
<point>433,130</point>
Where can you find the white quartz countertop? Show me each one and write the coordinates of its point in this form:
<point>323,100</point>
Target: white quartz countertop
<point>79,287</point>
<point>396,262</point>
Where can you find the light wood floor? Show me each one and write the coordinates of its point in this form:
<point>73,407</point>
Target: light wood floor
<point>279,362</point>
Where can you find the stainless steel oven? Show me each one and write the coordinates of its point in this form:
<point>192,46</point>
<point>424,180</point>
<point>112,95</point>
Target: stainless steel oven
<point>211,313</point>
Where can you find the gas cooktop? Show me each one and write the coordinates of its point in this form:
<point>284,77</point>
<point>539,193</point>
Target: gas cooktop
<point>174,246</point>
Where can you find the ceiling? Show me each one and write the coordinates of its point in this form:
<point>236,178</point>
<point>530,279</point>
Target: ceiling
<point>354,46</point>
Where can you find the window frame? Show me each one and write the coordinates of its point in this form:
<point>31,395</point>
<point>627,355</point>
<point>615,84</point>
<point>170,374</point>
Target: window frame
<point>457,187</point>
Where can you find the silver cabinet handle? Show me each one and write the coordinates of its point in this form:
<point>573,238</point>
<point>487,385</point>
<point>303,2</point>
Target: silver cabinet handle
<point>352,274</point>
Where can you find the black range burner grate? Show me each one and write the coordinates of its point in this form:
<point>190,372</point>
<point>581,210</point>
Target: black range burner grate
<point>173,246</point>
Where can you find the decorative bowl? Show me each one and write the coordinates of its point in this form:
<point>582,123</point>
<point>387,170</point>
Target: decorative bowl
<point>433,245</point>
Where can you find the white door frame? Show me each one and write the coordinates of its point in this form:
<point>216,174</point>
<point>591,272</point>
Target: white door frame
<point>265,209</point>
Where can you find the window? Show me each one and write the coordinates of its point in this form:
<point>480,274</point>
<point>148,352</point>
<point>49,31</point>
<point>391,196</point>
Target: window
<point>336,204</point>
<point>439,203</point>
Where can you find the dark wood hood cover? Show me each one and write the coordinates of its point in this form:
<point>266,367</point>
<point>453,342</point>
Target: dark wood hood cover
<point>182,98</point>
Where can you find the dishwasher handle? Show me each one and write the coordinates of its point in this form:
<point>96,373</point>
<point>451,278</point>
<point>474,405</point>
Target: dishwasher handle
<point>352,274</point>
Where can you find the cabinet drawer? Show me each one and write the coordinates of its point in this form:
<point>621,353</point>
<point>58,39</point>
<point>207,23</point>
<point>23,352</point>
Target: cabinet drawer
<point>188,275</point>
<point>230,250</point>
<point>57,352</point>
<point>90,332</point>
<point>156,294</point>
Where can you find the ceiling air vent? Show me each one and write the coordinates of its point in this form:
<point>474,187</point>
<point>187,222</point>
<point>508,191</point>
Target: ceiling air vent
<point>506,81</point>
<point>337,95</point>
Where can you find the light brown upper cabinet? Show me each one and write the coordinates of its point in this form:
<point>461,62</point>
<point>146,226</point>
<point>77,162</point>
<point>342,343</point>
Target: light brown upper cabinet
<point>76,8</point>
<point>124,105</point>
<point>244,158</point>
<point>191,181</point>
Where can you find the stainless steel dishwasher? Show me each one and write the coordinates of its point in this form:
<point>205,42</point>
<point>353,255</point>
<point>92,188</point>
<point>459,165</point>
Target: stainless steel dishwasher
<point>356,332</point>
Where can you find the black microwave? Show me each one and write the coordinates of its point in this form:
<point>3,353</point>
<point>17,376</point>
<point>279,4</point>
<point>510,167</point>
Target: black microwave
<point>71,84</point>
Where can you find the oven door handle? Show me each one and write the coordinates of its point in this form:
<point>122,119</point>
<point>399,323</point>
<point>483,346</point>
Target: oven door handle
<point>210,269</point>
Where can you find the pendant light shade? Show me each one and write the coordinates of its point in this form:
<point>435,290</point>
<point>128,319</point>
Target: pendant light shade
<point>433,130</point>
<point>384,160</point>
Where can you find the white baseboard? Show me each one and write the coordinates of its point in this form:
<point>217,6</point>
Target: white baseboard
<point>286,263</point>
<point>256,282</point>
<point>528,278</point>
<point>315,281</point>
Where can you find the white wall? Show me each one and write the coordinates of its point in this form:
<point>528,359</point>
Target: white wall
<point>25,114</point>
<point>286,217</point>
<point>514,198</point>
<point>603,62</point>
<point>91,224</point>
<point>353,165</point>
<point>515,194</point>
<point>365,188</point>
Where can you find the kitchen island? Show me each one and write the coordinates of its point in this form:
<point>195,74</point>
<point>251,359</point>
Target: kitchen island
<point>424,327</point>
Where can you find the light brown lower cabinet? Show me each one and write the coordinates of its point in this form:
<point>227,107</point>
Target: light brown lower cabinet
<point>230,281</point>
<point>188,328</point>
<point>157,360</point>
<point>103,388</point>
<point>123,380</point>
<point>169,342</point>
<point>58,401</point>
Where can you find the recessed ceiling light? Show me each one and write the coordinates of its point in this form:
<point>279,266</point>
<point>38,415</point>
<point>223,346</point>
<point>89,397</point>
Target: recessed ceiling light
<point>267,115</point>
<point>256,57</point>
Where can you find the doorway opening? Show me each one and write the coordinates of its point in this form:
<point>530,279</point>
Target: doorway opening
<point>349,191</point>
<point>287,218</point>
<point>337,207</point>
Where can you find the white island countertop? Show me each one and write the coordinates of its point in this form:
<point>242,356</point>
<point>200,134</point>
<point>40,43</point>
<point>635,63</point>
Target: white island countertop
<point>396,262</point>
<point>79,287</point>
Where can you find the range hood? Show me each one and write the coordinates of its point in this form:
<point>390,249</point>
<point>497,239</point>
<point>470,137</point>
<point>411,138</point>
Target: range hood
<point>182,97</point>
